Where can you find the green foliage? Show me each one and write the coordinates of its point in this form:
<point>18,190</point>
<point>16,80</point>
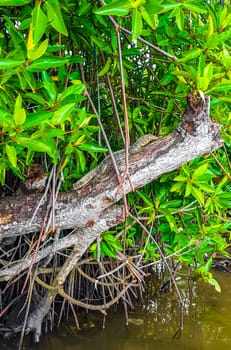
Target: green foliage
<point>44,115</point>
<point>203,270</point>
<point>190,212</point>
<point>14,2</point>
<point>109,245</point>
<point>38,98</point>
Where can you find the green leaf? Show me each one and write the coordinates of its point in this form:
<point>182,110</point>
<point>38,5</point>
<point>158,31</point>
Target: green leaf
<point>3,167</point>
<point>46,77</point>
<point>167,79</point>
<point>34,145</point>
<point>101,44</point>
<point>62,113</point>
<point>93,247</point>
<point>117,8</point>
<point>171,204</point>
<point>153,6</point>
<point>109,237</point>
<point>14,2</point>
<point>201,68</point>
<point>193,7</point>
<point>20,116</point>
<point>137,3</point>
<point>227,21</point>
<point>76,59</point>
<point>105,69</point>
<point>211,25</point>
<point>181,178</point>
<point>226,58</point>
<point>25,24</point>
<point>92,147</point>
<point>170,219</point>
<point>81,159</point>
<point>116,245</point>
<point>208,264</point>
<point>12,155</point>
<point>188,189</point>
<point>214,283</point>
<point>106,250</point>
<point>6,63</point>
<point>200,171</point>
<point>83,122</point>
<point>207,76</point>
<point>84,7</point>
<point>75,89</point>
<point>55,48</point>
<point>35,54</point>
<point>17,39</point>
<point>55,16</point>
<point>50,88</point>
<point>225,195</point>
<point>18,103</point>
<point>222,88</point>
<point>169,6</point>
<point>56,132</point>
<point>37,98</point>
<point>212,41</point>
<point>47,63</point>
<point>19,112</point>
<point>150,19</point>
<point>180,19</point>
<point>191,55</point>
<point>177,187</point>
<point>35,119</point>
<point>206,188</point>
<point>186,169</point>
<point>137,24</point>
<point>6,118</point>
<point>181,73</point>
<point>198,195</point>
<point>39,23</point>
<point>145,198</point>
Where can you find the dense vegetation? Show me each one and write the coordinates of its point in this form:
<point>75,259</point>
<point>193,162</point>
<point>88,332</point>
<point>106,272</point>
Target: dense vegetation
<point>78,76</point>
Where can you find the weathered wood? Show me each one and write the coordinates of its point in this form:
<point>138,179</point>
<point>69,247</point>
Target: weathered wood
<point>81,239</point>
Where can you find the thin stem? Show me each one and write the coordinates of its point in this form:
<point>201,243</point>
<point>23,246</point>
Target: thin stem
<point>114,105</point>
<point>86,93</point>
<point>164,259</point>
<point>124,101</point>
<point>221,166</point>
<point>156,48</point>
<point>227,156</point>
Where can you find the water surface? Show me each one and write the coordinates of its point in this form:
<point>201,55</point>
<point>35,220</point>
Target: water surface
<point>154,323</point>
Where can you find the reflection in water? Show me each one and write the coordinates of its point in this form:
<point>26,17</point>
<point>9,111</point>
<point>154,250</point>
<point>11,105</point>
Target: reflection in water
<point>153,323</point>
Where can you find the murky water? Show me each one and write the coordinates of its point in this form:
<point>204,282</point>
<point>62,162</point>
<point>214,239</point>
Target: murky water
<point>154,323</point>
